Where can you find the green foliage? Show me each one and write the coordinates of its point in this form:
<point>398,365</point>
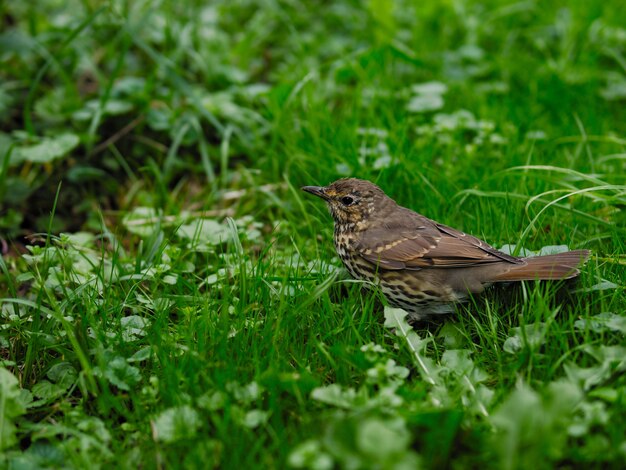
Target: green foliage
<point>168,298</point>
<point>11,407</point>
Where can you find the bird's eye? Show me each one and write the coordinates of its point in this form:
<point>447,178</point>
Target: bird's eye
<point>347,200</point>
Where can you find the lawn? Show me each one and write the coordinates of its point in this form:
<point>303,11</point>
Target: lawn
<point>169,298</point>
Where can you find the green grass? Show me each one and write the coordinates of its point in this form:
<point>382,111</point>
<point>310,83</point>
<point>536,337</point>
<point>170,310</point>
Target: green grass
<point>170,298</point>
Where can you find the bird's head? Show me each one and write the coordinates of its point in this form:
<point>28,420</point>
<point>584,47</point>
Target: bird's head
<point>352,201</point>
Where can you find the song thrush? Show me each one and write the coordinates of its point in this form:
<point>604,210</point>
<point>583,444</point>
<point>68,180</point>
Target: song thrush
<point>422,266</point>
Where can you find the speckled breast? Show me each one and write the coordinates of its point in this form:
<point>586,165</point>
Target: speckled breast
<point>356,266</point>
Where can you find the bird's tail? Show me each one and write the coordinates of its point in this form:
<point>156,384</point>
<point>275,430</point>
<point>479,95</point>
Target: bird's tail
<point>550,267</point>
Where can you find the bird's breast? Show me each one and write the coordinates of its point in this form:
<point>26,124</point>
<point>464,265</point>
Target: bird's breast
<point>358,267</point>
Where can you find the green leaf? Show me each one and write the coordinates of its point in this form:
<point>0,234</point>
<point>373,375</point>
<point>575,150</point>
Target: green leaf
<point>142,221</point>
<point>615,88</point>
<point>370,441</point>
<point>588,415</point>
<point>552,250</point>
<point>11,406</point>
<point>425,103</point>
<point>388,370</point>
<point>47,150</point>
<point>519,421</point>
<point>247,393</point>
<point>586,377</point>
<point>334,395</point>
<point>430,88</point>
<point>602,285</point>
<point>396,318</point>
<point>170,279</point>
<point>176,424</point>
<point>79,239</point>
<point>309,454</point>
<point>428,97</point>
<point>511,249</point>
<point>612,357</point>
<point>453,338</point>
<point>605,321</point>
<point>38,454</point>
<point>463,382</point>
<point>133,327</point>
<point>141,355</point>
<point>63,374</point>
<point>204,233</point>
<point>458,360</point>
<point>212,401</point>
<point>113,107</point>
<point>121,374</point>
<point>47,391</point>
<point>531,336</point>
<point>254,418</point>
<point>383,439</point>
<point>530,427</point>
<point>83,173</point>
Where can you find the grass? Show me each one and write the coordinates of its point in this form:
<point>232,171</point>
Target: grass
<point>169,298</point>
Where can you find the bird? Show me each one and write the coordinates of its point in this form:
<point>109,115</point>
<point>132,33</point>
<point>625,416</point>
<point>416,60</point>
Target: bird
<point>422,266</point>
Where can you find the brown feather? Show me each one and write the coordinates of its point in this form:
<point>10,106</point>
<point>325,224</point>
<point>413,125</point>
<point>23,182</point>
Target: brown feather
<point>420,242</point>
<point>550,267</point>
<point>476,243</point>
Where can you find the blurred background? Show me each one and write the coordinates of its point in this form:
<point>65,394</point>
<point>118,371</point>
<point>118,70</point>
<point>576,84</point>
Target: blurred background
<point>171,105</point>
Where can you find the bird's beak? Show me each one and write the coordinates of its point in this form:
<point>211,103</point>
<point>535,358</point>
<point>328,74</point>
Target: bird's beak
<point>318,191</point>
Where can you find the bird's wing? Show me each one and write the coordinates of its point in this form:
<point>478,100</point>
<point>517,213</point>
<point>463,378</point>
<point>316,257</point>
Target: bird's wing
<point>396,249</point>
<point>422,243</point>
<point>458,249</point>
